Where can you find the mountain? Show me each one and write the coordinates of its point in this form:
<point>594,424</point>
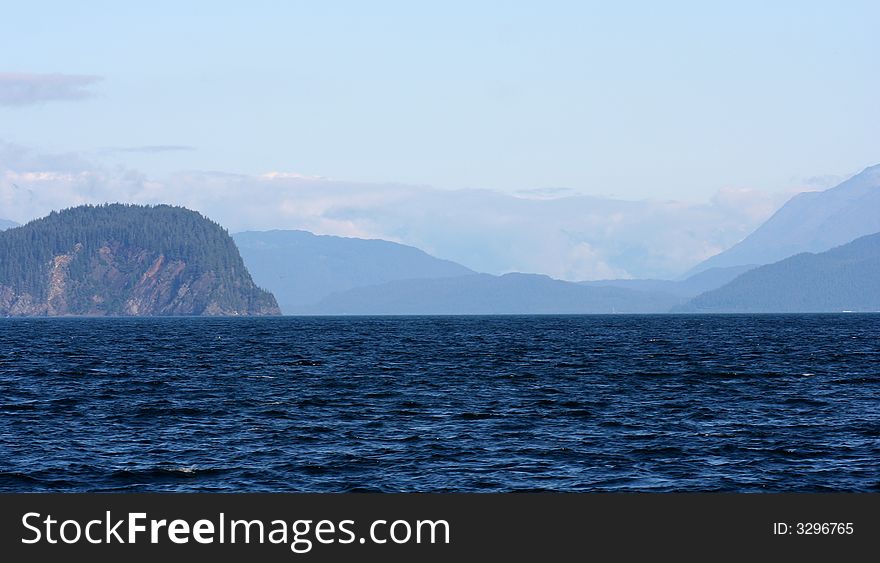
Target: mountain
<point>301,268</point>
<point>810,222</point>
<point>687,288</point>
<point>7,224</point>
<point>484,294</point>
<point>846,278</point>
<point>125,260</point>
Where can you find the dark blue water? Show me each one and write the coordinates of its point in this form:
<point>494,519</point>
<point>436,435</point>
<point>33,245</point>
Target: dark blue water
<point>581,403</point>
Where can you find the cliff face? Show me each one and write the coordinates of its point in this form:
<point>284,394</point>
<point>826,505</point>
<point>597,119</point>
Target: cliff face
<point>125,260</point>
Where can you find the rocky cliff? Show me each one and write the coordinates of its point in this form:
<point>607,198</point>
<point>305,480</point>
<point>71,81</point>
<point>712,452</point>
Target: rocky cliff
<point>125,260</point>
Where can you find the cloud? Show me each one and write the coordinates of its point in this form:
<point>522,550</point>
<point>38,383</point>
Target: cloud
<point>23,89</point>
<point>749,202</point>
<point>800,184</point>
<point>823,182</point>
<point>545,192</point>
<point>151,149</point>
<point>575,237</point>
<point>290,175</point>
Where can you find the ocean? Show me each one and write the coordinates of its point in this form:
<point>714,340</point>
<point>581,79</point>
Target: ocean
<point>647,403</point>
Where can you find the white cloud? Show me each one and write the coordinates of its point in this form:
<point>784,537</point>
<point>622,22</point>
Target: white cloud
<point>574,237</point>
<point>814,183</point>
<point>749,202</point>
<point>289,176</point>
<point>150,149</point>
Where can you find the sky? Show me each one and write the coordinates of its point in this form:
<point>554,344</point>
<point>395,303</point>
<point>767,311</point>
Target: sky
<point>674,104</point>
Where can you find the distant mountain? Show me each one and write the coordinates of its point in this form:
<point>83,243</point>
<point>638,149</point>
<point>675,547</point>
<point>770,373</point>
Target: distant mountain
<point>301,268</point>
<point>810,222</point>
<point>846,278</point>
<point>689,287</point>
<point>7,224</point>
<point>125,260</point>
<point>484,294</point>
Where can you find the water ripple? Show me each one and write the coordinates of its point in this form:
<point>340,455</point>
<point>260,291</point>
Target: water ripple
<point>567,403</point>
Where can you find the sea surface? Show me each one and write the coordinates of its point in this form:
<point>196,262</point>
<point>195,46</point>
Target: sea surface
<point>504,403</point>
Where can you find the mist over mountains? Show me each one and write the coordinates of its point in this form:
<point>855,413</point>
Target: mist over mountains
<point>321,274</point>
<point>843,279</point>
<point>810,222</point>
<point>565,234</point>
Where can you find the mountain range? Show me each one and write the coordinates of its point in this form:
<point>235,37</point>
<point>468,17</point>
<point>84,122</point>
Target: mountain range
<point>732,281</point>
<point>301,268</point>
<point>329,275</point>
<point>810,222</point>
<point>157,260</point>
<point>845,278</point>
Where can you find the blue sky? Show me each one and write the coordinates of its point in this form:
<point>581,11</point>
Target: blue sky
<point>630,99</point>
<point>577,139</point>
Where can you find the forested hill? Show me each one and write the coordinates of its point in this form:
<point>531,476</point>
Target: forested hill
<point>846,278</point>
<point>120,259</point>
